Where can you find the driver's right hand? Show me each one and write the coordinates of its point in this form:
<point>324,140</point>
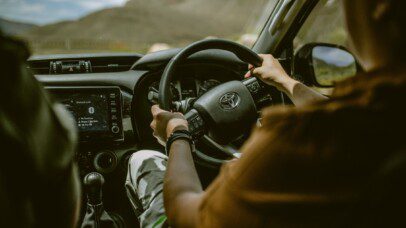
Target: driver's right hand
<point>271,72</point>
<point>164,123</point>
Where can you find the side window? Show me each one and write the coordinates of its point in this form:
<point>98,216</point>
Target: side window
<point>325,24</point>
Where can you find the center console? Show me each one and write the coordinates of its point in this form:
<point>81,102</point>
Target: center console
<point>97,111</point>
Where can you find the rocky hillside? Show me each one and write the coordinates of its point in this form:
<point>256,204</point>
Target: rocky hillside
<point>141,23</point>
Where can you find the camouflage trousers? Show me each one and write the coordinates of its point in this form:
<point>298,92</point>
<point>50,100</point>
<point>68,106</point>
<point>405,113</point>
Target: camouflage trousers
<point>144,185</point>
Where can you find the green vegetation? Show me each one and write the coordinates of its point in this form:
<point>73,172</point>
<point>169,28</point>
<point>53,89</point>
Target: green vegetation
<point>328,74</point>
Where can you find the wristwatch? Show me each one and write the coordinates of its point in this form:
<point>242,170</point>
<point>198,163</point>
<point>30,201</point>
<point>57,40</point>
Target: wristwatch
<point>179,134</point>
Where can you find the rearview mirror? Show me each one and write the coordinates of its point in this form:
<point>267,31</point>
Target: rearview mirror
<point>323,65</point>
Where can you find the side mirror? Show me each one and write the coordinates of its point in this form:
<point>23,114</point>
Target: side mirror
<point>322,65</point>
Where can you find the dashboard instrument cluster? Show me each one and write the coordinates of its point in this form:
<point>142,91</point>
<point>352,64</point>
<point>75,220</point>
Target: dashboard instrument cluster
<point>184,89</point>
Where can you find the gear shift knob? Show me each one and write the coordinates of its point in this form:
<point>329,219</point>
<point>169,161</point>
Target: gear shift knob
<point>93,183</point>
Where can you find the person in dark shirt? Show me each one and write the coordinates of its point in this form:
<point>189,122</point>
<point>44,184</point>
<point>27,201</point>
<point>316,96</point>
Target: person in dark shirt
<point>39,184</point>
<point>312,165</point>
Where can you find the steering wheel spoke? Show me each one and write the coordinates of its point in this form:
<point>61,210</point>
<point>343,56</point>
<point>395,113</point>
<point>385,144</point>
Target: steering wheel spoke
<point>196,123</point>
<point>258,89</point>
<point>253,85</point>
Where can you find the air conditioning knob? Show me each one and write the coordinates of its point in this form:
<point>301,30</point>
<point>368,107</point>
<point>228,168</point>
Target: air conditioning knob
<point>115,129</point>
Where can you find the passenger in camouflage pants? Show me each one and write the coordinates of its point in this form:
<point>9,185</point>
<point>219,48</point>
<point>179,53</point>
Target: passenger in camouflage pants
<point>144,184</point>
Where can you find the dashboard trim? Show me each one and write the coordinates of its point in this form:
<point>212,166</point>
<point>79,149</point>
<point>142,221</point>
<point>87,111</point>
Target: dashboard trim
<point>127,80</point>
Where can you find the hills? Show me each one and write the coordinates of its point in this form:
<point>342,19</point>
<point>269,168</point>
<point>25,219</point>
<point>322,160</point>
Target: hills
<point>15,28</point>
<point>141,23</point>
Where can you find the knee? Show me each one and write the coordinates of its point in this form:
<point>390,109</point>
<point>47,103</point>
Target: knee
<point>138,158</point>
<point>142,155</point>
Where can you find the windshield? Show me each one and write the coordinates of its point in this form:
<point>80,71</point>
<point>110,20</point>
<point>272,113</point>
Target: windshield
<point>87,26</point>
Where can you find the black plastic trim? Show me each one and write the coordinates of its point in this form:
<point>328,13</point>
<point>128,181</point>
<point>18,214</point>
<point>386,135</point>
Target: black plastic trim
<point>126,80</point>
<point>160,59</point>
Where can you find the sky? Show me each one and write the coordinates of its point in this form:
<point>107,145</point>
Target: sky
<point>42,12</point>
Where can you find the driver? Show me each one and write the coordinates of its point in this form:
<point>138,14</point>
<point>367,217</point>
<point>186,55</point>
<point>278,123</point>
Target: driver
<point>307,165</point>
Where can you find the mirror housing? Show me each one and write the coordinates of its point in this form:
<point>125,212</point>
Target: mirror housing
<point>323,65</point>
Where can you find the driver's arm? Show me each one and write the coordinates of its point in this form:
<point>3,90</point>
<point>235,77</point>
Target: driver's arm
<point>272,73</point>
<point>182,188</point>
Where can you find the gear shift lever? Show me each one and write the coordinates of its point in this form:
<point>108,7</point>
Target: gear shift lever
<point>93,183</point>
<point>96,216</point>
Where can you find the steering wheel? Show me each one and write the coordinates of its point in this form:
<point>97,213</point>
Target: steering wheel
<point>224,113</point>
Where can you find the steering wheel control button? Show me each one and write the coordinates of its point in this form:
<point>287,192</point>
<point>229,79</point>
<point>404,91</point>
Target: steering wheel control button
<point>115,129</point>
<point>199,120</point>
<point>252,85</point>
<point>196,123</point>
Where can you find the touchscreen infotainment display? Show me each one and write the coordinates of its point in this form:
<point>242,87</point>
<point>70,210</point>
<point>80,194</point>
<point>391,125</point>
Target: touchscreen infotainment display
<point>97,110</point>
<point>90,110</point>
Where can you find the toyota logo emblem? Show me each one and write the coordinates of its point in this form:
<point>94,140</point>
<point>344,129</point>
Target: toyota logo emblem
<point>230,100</point>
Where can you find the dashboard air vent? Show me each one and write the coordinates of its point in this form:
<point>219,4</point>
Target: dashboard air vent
<point>76,64</point>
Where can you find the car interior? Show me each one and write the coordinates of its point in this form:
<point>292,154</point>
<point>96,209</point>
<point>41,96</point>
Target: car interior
<point>110,95</point>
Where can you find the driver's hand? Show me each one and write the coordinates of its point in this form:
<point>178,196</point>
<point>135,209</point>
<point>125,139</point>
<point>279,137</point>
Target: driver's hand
<point>271,72</point>
<point>165,123</point>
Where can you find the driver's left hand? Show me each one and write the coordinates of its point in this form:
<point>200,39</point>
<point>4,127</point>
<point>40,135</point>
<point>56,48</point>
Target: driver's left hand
<point>164,123</point>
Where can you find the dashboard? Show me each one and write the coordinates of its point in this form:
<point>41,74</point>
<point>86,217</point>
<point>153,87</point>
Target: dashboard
<point>111,104</point>
<point>112,107</point>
